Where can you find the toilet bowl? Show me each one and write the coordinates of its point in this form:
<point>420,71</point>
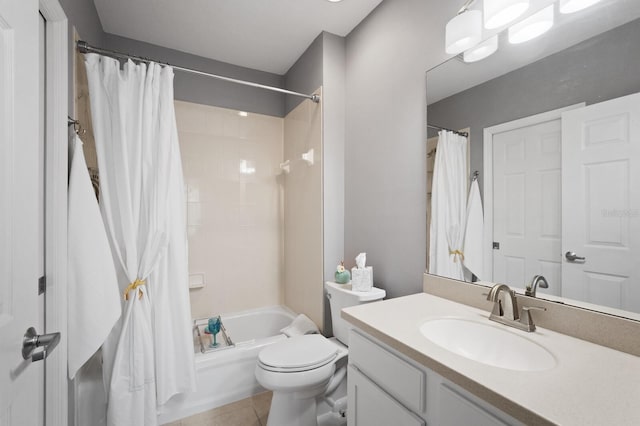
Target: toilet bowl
<point>298,370</point>
<point>303,369</point>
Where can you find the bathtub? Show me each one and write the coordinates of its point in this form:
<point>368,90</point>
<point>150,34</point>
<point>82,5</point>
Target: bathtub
<point>227,375</point>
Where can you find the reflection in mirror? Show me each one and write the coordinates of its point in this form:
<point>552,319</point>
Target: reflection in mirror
<point>554,130</point>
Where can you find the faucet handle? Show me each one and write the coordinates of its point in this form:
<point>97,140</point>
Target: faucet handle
<point>534,308</point>
<point>526,319</point>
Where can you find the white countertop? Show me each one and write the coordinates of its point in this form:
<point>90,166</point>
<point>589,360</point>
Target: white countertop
<point>590,385</point>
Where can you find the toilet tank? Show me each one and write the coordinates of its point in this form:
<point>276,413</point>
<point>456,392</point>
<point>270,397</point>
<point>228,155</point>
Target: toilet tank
<point>341,296</point>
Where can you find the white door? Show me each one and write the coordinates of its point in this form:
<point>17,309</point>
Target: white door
<point>601,203</point>
<point>526,204</point>
<point>21,384</point>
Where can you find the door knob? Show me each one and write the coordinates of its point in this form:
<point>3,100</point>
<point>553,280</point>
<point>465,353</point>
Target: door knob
<point>33,340</point>
<point>572,257</point>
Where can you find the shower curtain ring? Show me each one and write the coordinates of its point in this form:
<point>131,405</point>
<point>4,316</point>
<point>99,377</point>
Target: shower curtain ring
<point>77,128</point>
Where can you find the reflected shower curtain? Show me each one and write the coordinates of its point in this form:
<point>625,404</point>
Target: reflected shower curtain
<point>149,354</point>
<point>448,206</point>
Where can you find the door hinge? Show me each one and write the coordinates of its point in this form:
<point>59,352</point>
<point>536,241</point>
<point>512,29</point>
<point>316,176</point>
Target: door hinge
<point>42,284</point>
<point>496,245</point>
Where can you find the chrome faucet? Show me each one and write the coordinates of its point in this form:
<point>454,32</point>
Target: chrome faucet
<point>505,309</point>
<point>531,288</point>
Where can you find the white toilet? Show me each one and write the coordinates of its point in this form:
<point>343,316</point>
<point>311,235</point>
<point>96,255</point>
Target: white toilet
<point>302,370</point>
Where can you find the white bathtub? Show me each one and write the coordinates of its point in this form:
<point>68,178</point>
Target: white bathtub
<point>227,375</point>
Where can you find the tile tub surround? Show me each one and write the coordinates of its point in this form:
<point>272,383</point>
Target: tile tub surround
<point>590,385</point>
<point>245,216</point>
<point>303,225</point>
<point>621,334</point>
<point>234,213</point>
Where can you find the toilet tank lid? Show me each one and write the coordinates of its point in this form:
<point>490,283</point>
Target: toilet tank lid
<point>362,296</point>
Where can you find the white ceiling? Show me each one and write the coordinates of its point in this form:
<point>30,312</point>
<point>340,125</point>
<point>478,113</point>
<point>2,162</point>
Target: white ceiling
<point>267,35</point>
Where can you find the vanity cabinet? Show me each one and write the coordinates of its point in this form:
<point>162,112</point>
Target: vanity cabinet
<point>386,388</point>
<point>370,405</point>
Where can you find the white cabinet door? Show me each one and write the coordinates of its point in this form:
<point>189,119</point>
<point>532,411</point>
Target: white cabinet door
<point>526,204</point>
<point>22,383</point>
<point>368,405</point>
<point>601,203</point>
<point>403,381</point>
<point>456,410</point>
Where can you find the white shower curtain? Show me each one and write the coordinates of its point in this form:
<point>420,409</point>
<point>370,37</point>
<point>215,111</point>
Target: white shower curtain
<point>448,206</point>
<point>474,233</point>
<point>149,355</point>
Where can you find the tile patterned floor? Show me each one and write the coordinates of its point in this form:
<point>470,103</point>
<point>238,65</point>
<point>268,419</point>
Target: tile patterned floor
<point>252,411</point>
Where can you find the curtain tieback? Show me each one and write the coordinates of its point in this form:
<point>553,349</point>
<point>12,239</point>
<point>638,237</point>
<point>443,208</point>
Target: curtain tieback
<point>456,253</point>
<point>133,286</point>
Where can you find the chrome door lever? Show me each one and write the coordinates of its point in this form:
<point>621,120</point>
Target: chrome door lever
<point>33,340</point>
<point>572,257</point>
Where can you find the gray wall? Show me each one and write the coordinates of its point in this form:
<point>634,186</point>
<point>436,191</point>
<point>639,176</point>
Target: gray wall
<point>305,75</point>
<point>333,111</point>
<point>333,69</point>
<point>385,172</point>
<point>604,67</point>
<point>83,16</point>
<point>205,90</point>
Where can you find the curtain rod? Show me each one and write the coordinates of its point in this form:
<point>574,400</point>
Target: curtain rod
<point>84,47</point>
<point>433,126</point>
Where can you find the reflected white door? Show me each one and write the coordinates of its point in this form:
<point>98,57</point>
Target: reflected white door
<point>526,204</point>
<point>22,382</point>
<point>601,203</point>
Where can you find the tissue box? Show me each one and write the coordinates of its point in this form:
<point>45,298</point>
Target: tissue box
<point>362,279</point>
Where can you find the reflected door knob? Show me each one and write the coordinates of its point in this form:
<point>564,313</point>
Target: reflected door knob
<point>572,257</point>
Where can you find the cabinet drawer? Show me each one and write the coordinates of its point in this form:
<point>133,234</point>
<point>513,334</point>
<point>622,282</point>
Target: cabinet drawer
<point>400,379</point>
<point>371,406</point>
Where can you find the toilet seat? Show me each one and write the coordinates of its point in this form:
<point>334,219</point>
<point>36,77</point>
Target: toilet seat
<point>298,354</point>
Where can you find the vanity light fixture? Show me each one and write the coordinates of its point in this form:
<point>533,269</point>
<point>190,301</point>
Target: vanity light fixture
<point>481,51</point>
<point>570,6</point>
<point>463,31</point>
<point>532,27</point>
<point>498,13</point>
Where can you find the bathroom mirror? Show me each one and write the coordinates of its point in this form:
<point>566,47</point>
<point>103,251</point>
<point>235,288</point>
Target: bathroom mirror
<point>554,132</point>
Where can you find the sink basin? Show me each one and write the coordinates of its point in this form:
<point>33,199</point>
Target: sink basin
<point>488,344</point>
